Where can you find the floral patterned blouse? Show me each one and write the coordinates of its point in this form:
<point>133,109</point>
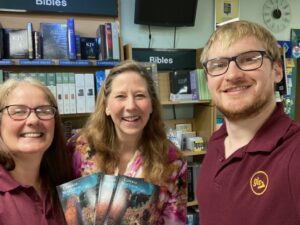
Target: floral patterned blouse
<point>171,208</point>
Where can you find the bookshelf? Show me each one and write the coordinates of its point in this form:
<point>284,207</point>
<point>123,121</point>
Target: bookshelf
<point>85,26</point>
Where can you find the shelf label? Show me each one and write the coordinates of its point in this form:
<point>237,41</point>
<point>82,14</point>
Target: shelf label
<point>107,62</point>
<point>66,62</point>
<point>4,62</point>
<point>36,62</point>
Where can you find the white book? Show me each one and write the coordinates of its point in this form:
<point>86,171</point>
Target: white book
<point>51,82</point>
<point>80,93</point>
<point>115,40</point>
<point>72,93</point>
<point>59,93</point>
<point>66,94</point>
<point>89,92</point>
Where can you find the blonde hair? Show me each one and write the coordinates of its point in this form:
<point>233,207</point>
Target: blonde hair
<point>229,33</point>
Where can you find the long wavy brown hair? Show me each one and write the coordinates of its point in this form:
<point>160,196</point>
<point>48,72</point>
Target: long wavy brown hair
<point>101,135</point>
<point>56,166</point>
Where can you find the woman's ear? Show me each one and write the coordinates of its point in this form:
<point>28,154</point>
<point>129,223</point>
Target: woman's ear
<point>107,111</point>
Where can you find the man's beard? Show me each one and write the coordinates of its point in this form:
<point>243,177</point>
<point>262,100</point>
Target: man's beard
<point>248,111</point>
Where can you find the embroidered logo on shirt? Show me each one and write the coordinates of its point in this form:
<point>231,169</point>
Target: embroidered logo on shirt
<point>259,182</point>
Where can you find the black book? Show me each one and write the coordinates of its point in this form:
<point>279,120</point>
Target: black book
<point>180,85</point>
<point>89,48</point>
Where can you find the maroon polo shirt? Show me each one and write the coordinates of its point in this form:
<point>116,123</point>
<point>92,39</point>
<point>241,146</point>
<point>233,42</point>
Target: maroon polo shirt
<point>21,205</point>
<point>257,185</point>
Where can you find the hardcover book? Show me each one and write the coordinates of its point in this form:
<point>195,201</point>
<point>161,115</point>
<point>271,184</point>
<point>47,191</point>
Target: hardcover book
<point>180,86</point>
<point>71,39</point>
<point>78,198</point>
<point>37,45</point>
<point>16,41</point>
<point>30,41</point>
<point>1,42</point>
<point>89,48</point>
<point>54,40</point>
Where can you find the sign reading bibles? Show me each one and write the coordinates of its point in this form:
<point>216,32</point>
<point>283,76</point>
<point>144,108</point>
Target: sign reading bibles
<point>167,59</point>
<point>90,7</point>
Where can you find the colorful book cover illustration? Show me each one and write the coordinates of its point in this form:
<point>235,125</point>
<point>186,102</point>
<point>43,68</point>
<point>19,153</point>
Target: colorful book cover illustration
<point>78,198</point>
<point>132,202</point>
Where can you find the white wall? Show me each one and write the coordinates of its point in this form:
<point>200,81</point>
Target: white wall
<point>194,37</point>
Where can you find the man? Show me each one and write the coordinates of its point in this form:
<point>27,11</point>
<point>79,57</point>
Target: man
<point>250,175</point>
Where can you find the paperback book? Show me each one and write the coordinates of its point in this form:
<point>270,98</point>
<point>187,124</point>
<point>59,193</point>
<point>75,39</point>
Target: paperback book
<point>99,199</point>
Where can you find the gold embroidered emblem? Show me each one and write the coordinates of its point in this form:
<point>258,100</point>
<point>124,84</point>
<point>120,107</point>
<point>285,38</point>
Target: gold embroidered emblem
<point>259,182</point>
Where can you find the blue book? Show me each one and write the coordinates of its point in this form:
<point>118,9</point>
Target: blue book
<point>100,77</point>
<point>54,40</point>
<point>71,39</point>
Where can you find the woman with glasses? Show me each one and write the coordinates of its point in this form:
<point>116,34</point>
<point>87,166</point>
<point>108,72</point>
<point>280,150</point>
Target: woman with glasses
<point>250,174</point>
<point>33,158</point>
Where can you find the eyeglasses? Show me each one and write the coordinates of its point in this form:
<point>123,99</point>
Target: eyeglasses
<point>21,112</point>
<point>246,61</point>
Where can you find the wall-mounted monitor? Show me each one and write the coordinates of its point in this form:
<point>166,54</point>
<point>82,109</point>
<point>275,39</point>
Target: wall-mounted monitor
<point>173,13</point>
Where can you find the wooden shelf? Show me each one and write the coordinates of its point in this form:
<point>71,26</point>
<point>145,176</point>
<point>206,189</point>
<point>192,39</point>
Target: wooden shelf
<point>193,203</point>
<point>167,102</point>
<point>187,153</point>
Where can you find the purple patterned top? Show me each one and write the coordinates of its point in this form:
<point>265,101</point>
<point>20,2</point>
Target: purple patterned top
<point>172,204</point>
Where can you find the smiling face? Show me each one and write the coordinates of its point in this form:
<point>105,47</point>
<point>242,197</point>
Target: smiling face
<point>241,94</point>
<point>129,105</point>
<point>32,135</point>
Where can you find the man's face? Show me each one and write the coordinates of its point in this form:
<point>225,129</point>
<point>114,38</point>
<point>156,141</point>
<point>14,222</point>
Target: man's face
<point>242,94</point>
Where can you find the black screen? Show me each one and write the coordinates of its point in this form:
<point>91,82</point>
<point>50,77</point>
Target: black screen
<point>165,12</point>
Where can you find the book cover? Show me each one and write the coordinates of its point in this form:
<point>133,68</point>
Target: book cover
<point>132,202</point>
<point>180,86</point>
<point>78,198</point>
<point>106,191</point>
<point>54,40</point>
<point>89,48</point>
<point>152,70</point>
<point>71,39</point>
<point>16,41</point>
<point>1,77</point>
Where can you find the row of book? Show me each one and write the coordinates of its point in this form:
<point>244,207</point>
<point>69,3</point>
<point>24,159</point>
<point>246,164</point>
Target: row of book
<point>188,85</point>
<point>74,92</point>
<point>60,41</point>
<point>106,199</point>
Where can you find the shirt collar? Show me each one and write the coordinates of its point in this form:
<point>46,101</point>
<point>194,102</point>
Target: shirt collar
<point>7,182</point>
<point>276,126</point>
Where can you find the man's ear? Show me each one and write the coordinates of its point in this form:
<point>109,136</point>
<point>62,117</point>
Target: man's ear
<point>278,72</point>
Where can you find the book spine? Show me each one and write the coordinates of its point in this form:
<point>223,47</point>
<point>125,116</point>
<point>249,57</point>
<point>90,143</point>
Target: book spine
<point>1,43</point>
<point>115,40</point>
<point>108,39</point>
<point>30,40</point>
<point>71,39</point>
<point>37,45</point>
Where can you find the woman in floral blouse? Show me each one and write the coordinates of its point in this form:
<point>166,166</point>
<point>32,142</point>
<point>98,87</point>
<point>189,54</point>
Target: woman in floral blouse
<point>125,136</point>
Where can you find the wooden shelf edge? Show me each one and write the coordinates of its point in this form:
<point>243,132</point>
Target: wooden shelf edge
<point>187,153</point>
<point>193,203</point>
<point>185,102</point>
